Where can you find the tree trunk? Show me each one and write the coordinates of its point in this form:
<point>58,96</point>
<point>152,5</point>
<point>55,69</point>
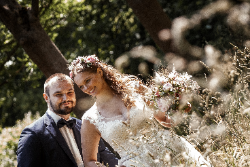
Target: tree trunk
<point>27,30</point>
<point>155,21</point>
<point>25,26</point>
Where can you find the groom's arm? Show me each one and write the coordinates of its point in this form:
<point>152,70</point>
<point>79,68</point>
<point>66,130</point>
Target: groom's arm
<point>106,156</point>
<point>29,150</point>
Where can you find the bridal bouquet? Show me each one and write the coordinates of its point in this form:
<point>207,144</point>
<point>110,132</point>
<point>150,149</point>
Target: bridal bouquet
<point>168,88</point>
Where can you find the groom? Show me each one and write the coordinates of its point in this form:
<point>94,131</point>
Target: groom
<point>54,140</point>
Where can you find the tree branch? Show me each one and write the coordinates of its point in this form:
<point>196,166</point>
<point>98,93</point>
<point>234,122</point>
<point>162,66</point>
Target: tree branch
<point>27,30</point>
<point>35,7</point>
<point>8,9</point>
<point>182,24</point>
<point>155,21</point>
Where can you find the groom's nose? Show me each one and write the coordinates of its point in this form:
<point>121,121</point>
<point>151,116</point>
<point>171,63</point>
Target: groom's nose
<point>65,97</point>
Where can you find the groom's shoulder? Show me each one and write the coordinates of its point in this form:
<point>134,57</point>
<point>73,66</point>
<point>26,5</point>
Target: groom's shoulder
<point>78,121</point>
<point>37,125</point>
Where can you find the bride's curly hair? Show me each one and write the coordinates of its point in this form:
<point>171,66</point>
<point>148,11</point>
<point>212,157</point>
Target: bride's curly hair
<point>127,86</point>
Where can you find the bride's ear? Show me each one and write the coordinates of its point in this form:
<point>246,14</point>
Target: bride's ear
<point>99,71</point>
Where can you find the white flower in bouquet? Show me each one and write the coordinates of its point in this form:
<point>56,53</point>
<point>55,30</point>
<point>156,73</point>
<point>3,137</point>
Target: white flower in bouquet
<point>168,88</point>
<point>164,103</point>
<point>172,75</point>
<point>179,80</point>
<point>159,79</point>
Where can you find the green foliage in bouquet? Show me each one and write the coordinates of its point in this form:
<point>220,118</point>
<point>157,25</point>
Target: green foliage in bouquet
<point>171,92</point>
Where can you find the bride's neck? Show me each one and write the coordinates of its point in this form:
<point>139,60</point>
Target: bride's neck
<point>106,96</point>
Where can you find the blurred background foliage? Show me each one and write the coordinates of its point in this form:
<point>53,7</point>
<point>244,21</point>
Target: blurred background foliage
<point>107,28</point>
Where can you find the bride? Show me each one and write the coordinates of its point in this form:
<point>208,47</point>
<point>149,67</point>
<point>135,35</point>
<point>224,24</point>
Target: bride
<point>121,116</point>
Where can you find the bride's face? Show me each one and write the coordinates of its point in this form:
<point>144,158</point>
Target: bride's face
<point>90,83</point>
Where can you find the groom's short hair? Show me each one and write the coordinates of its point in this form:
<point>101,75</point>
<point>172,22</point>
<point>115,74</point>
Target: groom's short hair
<point>58,77</point>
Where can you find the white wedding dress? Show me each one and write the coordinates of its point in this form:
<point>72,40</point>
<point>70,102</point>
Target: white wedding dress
<point>141,141</point>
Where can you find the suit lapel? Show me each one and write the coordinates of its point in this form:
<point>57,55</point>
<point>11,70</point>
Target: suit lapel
<point>77,134</point>
<point>54,131</point>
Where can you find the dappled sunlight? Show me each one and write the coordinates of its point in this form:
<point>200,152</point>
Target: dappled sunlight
<point>208,40</point>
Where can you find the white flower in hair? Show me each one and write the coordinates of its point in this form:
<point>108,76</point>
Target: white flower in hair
<point>91,59</point>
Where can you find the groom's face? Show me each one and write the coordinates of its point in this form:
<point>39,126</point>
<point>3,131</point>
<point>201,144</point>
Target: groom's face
<point>61,98</point>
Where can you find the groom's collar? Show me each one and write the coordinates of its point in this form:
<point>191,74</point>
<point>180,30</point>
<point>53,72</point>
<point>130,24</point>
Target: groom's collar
<point>54,116</point>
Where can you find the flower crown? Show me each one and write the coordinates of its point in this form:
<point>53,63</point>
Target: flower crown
<point>87,60</point>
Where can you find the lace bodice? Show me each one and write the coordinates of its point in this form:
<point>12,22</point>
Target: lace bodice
<point>139,140</point>
<point>116,130</point>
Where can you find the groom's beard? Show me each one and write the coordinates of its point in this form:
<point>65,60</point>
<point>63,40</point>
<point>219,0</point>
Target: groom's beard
<point>65,111</point>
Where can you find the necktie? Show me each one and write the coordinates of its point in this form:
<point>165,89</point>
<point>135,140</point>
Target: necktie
<point>70,124</point>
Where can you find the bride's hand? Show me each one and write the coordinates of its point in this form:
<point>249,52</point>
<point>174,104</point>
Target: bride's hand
<point>163,119</point>
<point>167,123</point>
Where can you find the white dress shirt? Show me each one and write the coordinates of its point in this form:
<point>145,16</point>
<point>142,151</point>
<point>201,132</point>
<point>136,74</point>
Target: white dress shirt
<point>69,138</point>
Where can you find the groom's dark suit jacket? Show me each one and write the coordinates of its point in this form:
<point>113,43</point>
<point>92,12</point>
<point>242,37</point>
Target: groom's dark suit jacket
<point>41,144</point>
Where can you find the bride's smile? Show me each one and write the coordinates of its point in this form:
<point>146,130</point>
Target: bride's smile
<point>90,82</point>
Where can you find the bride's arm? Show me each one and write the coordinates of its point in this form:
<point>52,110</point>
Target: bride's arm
<point>90,139</point>
<point>160,116</point>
